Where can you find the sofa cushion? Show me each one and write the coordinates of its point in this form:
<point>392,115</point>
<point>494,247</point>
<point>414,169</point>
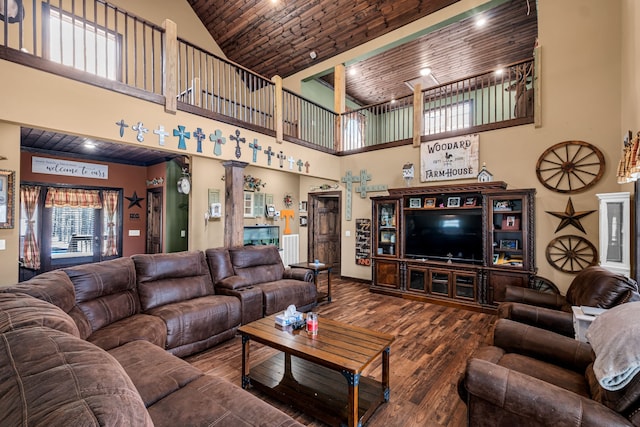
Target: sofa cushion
<point>155,373</point>
<point>54,287</point>
<point>136,327</point>
<point>547,372</point>
<point>212,401</point>
<point>23,311</point>
<point>170,278</point>
<point>105,291</point>
<point>49,377</point>
<point>219,262</point>
<point>178,394</point>
<point>598,287</point>
<point>257,264</point>
<point>280,294</point>
<point>198,319</point>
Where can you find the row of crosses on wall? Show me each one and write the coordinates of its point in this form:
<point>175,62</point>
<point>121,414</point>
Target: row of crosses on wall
<point>218,141</point>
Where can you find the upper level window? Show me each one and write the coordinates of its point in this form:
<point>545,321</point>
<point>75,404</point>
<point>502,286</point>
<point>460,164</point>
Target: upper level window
<point>354,128</point>
<point>75,42</point>
<point>449,118</point>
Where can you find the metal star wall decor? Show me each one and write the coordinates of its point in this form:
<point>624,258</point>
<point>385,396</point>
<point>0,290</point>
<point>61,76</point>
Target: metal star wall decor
<point>134,200</point>
<point>570,217</point>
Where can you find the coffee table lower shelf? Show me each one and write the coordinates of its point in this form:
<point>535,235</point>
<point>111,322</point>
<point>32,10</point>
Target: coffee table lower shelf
<point>316,390</point>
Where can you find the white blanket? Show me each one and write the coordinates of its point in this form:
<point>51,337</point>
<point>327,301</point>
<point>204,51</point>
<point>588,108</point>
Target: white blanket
<point>615,339</point>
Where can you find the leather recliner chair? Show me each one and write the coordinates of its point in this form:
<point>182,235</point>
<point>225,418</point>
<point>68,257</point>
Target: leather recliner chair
<point>594,287</point>
<point>534,377</point>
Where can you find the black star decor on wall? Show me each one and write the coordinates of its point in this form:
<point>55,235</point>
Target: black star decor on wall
<point>570,217</point>
<point>134,200</point>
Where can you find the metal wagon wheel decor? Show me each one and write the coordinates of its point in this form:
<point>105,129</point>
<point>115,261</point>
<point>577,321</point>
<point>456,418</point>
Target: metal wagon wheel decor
<point>571,254</point>
<point>570,166</point>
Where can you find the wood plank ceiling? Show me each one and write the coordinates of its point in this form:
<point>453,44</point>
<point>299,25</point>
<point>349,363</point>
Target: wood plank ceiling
<point>276,39</point>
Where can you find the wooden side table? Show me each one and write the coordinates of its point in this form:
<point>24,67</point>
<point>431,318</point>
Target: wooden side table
<point>317,269</point>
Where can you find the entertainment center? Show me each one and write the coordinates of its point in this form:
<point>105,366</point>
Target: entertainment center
<point>457,244</point>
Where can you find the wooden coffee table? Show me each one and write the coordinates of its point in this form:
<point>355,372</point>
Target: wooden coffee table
<point>320,375</point>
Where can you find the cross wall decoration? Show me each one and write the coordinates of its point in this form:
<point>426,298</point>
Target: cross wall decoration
<point>363,188</point>
<point>182,134</point>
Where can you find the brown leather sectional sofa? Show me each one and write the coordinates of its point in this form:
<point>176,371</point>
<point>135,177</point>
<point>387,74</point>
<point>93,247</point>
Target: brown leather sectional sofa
<point>97,343</point>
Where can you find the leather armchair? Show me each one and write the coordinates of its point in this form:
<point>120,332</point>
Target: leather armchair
<point>534,377</point>
<point>594,287</point>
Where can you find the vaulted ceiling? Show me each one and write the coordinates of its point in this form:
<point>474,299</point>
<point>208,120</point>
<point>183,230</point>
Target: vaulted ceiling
<point>277,38</point>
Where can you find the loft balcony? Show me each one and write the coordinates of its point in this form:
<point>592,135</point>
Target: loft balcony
<point>103,45</point>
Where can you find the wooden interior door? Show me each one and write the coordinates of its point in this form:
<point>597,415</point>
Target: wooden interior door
<point>154,221</point>
<point>324,223</point>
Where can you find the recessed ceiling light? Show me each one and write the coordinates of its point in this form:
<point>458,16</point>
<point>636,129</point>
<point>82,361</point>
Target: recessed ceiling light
<point>352,71</point>
<point>425,71</point>
<point>499,71</point>
<point>481,22</point>
<point>313,54</point>
<point>89,144</point>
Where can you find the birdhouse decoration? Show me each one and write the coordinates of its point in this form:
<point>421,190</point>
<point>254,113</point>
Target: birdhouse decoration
<point>484,175</point>
<point>408,173</point>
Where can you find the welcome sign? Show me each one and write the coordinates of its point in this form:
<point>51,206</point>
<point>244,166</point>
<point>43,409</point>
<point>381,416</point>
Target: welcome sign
<point>451,158</point>
<point>69,168</point>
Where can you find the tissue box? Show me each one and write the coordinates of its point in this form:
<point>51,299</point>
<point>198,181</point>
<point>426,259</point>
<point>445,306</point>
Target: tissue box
<point>283,320</point>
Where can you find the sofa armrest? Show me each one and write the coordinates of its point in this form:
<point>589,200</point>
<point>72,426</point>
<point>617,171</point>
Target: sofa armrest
<point>515,337</point>
<point>232,282</point>
<point>304,274</point>
<point>557,321</point>
<point>533,297</point>
<point>498,395</point>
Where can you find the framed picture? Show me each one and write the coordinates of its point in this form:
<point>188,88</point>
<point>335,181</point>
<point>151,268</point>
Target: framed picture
<point>303,221</point>
<point>502,205</point>
<point>430,202</point>
<point>6,198</point>
<point>453,202</point>
<point>303,206</point>
<point>508,244</point>
<point>469,201</point>
<point>415,202</point>
<point>511,222</point>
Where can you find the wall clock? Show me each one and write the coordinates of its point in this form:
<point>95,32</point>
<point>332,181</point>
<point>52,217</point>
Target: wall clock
<point>571,254</point>
<point>184,185</point>
<point>570,167</point>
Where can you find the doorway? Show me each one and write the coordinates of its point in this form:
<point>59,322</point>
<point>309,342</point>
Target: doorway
<point>154,221</point>
<point>325,228</point>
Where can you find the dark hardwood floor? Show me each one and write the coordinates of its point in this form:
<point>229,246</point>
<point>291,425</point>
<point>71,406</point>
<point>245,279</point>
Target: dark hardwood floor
<point>428,356</point>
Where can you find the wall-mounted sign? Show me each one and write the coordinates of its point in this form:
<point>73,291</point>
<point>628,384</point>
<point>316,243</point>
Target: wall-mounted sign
<point>363,241</point>
<point>69,168</point>
<point>451,158</point>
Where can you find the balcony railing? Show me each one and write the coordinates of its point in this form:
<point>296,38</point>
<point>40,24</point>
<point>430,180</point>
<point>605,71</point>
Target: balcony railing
<point>306,121</point>
<point>100,44</point>
<point>212,83</point>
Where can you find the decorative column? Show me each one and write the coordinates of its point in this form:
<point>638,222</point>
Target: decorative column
<point>234,203</point>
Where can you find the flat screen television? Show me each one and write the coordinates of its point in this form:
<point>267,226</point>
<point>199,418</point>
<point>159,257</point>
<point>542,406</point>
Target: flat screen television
<point>444,234</point>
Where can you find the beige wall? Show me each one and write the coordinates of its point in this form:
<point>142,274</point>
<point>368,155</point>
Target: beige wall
<point>630,66</point>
